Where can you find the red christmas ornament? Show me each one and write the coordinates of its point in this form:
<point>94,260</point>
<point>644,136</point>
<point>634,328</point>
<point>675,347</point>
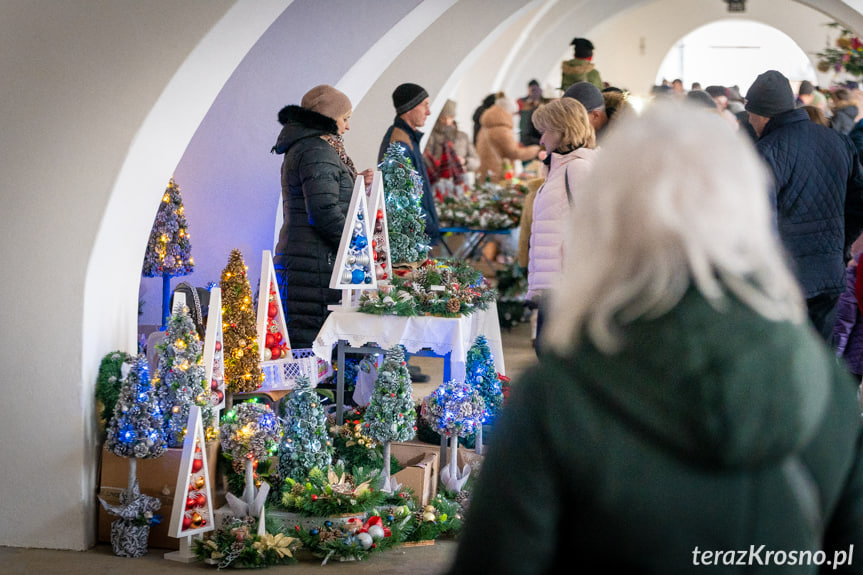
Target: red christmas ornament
<point>190,502</point>
<point>276,352</point>
<point>272,309</point>
<point>218,346</point>
<point>270,340</point>
<point>219,396</point>
<point>201,500</point>
<point>197,464</point>
<point>187,522</point>
<point>314,497</point>
<point>277,337</point>
<point>214,385</point>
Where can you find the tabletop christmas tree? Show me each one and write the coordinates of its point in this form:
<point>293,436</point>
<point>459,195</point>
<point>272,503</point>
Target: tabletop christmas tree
<point>403,189</point>
<point>249,432</point>
<point>354,265</point>
<point>135,431</point>
<point>390,415</point>
<point>169,251</point>
<point>242,362</point>
<point>455,410</point>
<point>306,443</point>
<point>181,381</point>
<point>481,374</point>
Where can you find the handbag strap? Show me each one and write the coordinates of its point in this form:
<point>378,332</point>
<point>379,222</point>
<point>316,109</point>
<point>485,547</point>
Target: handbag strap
<point>566,183</point>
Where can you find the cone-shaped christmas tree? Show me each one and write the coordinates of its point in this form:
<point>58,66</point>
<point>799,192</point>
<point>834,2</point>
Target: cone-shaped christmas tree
<point>481,374</point>
<point>390,415</point>
<point>403,188</point>
<point>242,362</point>
<point>169,251</point>
<point>181,380</point>
<point>306,443</point>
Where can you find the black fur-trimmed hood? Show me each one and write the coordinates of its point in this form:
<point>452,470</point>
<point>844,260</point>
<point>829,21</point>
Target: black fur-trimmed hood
<point>301,123</point>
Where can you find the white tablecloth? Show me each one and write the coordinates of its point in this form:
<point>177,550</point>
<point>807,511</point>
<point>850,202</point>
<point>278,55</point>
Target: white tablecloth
<point>440,334</point>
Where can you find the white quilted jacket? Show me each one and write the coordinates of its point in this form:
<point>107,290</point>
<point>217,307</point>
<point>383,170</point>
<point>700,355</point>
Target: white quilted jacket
<point>551,211</point>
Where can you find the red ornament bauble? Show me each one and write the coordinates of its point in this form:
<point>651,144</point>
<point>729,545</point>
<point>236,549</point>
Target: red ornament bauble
<point>384,276</point>
<point>197,464</point>
<point>277,336</point>
<point>219,396</point>
<point>314,497</point>
<point>270,340</point>
<point>214,385</point>
<point>276,352</point>
<point>201,500</point>
<point>190,502</point>
<point>218,346</point>
<point>380,214</point>
<point>272,309</point>
<point>187,522</point>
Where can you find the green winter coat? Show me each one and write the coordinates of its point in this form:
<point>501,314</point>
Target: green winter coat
<point>692,438</point>
<point>579,70</point>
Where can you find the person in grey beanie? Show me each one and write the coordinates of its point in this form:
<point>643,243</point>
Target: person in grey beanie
<point>592,100</point>
<point>817,192</point>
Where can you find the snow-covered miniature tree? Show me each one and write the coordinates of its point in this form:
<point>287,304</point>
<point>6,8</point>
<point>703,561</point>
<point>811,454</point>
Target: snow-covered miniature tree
<point>481,374</point>
<point>454,409</point>
<point>135,431</point>
<point>249,432</point>
<point>181,378</point>
<point>306,442</point>
<point>169,251</point>
<point>403,188</point>
<point>390,415</point>
<point>242,362</point>
<point>273,340</point>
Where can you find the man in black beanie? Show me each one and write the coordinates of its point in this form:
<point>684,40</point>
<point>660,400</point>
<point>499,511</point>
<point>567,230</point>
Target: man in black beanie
<point>817,190</point>
<point>580,68</point>
<point>411,103</point>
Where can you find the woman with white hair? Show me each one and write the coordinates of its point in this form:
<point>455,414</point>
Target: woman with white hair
<point>686,414</point>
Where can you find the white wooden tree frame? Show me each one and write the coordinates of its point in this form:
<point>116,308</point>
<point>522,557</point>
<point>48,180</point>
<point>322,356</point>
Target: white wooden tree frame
<point>343,266</point>
<point>191,483</point>
<point>214,358</point>
<point>268,281</point>
<point>377,203</point>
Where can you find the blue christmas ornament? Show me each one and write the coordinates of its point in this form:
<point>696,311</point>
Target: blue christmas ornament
<point>328,523</point>
<point>313,531</point>
<point>368,279</point>
<point>360,242</point>
<point>357,276</point>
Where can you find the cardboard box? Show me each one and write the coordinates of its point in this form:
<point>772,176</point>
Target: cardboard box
<point>421,462</point>
<point>157,478</point>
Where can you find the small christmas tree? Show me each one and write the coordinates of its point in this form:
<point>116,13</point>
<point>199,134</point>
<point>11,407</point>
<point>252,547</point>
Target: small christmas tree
<point>181,380</point>
<point>169,251</point>
<point>242,362</point>
<point>481,375</point>
<point>110,380</point>
<point>390,415</point>
<point>403,189</point>
<point>134,431</point>
<point>306,443</point>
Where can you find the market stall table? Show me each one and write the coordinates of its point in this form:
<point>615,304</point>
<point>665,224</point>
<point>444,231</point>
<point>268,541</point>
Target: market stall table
<point>450,338</point>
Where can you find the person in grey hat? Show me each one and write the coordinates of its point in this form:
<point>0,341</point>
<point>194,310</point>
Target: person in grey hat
<point>593,101</point>
<point>817,190</point>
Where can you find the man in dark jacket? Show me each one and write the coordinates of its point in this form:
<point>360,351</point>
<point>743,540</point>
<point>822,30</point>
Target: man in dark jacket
<point>817,191</point>
<point>412,108</point>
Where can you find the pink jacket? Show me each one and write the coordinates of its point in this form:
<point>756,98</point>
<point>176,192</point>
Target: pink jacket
<point>551,216</point>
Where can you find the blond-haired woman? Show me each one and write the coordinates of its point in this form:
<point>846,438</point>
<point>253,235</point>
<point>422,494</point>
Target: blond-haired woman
<point>570,142</point>
<point>684,413</point>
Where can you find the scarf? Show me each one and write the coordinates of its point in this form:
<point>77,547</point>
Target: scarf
<point>338,145</point>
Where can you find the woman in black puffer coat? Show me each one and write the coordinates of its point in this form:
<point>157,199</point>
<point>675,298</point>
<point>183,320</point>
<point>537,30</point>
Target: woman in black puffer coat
<point>317,183</point>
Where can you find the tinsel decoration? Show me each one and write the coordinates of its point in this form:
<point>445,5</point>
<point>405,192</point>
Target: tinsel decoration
<point>239,331</point>
<point>136,429</point>
<point>249,431</point>
<point>306,443</point>
<point>454,409</point>
<point>405,219</point>
<point>181,379</point>
<point>481,374</point>
<point>169,249</point>
<point>390,415</point>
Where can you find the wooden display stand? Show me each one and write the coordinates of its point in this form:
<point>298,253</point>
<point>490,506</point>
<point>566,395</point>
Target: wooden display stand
<point>157,478</point>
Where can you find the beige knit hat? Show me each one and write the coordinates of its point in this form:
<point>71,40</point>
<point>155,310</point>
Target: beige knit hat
<point>326,100</point>
<point>448,109</point>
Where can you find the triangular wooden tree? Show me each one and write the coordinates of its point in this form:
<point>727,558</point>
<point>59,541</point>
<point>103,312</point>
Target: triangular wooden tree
<point>273,340</point>
<point>354,269</point>
<point>193,506</point>
<point>380,230</point>
<point>214,359</point>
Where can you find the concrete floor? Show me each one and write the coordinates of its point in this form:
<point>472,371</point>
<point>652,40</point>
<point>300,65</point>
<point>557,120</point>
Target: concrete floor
<point>427,560</point>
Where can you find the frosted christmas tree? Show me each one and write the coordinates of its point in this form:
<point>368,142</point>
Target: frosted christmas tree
<point>242,360</point>
<point>390,415</point>
<point>135,431</point>
<point>306,443</point>
<point>481,375</point>
<point>403,191</point>
<point>181,379</point>
<point>169,251</point>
